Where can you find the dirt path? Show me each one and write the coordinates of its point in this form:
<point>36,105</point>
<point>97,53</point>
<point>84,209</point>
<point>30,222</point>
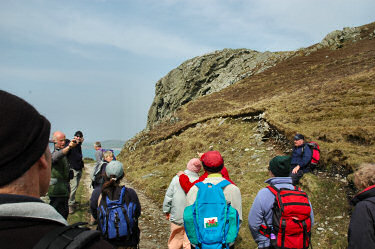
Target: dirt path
<point>154,227</point>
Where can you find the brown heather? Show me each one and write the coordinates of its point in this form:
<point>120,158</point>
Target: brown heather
<point>329,96</point>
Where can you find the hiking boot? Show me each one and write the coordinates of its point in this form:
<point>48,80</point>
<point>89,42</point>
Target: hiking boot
<point>71,209</point>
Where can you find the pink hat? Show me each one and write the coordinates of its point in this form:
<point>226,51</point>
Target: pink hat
<point>194,165</point>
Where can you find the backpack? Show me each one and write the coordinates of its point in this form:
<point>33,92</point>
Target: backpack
<point>95,175</point>
<point>69,237</point>
<point>116,218</point>
<point>315,151</point>
<point>291,221</point>
<point>210,222</point>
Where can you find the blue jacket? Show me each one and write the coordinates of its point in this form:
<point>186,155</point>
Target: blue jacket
<point>262,209</point>
<point>301,156</point>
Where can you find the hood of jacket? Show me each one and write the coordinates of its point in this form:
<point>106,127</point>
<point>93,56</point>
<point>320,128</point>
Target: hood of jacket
<point>365,194</point>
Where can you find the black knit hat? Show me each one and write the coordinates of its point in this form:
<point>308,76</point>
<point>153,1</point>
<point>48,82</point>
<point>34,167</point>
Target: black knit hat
<point>78,134</point>
<point>24,136</point>
<point>280,166</point>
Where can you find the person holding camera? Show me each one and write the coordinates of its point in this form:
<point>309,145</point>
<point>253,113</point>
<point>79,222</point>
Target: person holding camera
<point>76,165</point>
<point>59,188</point>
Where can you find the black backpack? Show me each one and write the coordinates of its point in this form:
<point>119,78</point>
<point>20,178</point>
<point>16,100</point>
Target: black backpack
<point>68,237</point>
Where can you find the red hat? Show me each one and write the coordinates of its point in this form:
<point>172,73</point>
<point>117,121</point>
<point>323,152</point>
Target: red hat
<point>212,161</point>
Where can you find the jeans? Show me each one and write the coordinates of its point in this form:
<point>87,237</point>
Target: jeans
<point>74,186</point>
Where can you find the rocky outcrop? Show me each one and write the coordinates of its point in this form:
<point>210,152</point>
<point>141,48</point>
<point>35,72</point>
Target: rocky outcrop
<point>215,71</point>
<point>207,74</point>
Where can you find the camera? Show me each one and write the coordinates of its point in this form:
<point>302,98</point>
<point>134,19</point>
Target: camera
<point>74,141</point>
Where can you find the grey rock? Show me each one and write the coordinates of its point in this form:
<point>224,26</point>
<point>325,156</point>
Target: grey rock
<point>207,74</point>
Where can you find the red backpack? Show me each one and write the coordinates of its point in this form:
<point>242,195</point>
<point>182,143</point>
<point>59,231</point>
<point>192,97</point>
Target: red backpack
<point>291,219</point>
<point>315,150</point>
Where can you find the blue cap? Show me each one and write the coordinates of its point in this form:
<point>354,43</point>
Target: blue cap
<point>299,136</point>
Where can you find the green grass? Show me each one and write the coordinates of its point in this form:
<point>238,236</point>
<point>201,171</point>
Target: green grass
<point>81,213</point>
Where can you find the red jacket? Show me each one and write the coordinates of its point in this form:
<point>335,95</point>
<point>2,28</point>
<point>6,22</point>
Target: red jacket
<point>186,184</point>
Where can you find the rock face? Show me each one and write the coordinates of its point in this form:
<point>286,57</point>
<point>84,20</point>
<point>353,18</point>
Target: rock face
<point>207,74</point>
<point>212,72</point>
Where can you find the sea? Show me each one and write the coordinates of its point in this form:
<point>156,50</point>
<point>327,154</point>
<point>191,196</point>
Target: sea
<point>90,153</point>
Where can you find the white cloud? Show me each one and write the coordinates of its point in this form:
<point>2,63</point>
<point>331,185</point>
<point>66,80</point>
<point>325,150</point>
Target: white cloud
<point>58,24</point>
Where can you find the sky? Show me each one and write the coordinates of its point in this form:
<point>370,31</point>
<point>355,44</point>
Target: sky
<point>92,65</point>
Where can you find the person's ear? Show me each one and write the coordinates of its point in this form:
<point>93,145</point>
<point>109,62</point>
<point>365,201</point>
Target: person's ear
<point>45,160</point>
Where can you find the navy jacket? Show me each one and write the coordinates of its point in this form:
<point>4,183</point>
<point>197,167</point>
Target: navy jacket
<point>301,156</point>
<point>362,223</point>
<point>75,156</point>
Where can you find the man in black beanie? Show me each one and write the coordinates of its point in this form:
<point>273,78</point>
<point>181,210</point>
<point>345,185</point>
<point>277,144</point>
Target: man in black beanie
<point>261,211</point>
<point>25,171</point>
<point>76,165</point>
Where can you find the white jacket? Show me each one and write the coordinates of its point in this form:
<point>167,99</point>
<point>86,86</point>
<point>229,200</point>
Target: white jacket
<point>175,198</point>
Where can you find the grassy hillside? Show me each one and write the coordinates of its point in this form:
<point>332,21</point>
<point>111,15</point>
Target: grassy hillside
<point>328,95</point>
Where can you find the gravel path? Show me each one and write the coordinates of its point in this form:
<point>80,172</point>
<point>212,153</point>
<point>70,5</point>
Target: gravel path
<point>153,225</point>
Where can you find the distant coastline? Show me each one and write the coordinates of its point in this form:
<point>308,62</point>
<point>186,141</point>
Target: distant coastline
<point>88,150</point>
<point>90,153</point>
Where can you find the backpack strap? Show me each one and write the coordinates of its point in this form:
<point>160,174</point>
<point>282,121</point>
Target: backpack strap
<point>223,184</point>
<point>275,191</point>
<point>69,237</point>
<point>122,201</point>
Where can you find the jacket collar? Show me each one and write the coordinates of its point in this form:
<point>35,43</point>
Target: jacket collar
<point>28,207</point>
<point>279,180</point>
<point>366,193</point>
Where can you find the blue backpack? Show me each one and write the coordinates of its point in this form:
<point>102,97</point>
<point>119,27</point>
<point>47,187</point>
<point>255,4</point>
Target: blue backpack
<point>116,218</point>
<point>211,222</point>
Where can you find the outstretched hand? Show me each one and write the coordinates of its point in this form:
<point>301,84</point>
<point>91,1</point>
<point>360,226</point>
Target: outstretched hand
<point>180,173</point>
<point>200,154</point>
<point>295,170</point>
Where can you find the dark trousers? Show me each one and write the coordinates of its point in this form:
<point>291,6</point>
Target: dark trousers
<point>296,177</point>
<point>61,205</point>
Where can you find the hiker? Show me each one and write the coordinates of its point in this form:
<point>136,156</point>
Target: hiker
<point>118,209</point>
<point>98,151</point>
<point>76,165</point>
<point>213,163</point>
<point>301,157</point>
<point>186,184</point>
<point>261,213</point>
<point>361,232</point>
<point>174,205</point>
<point>97,183</point>
<point>25,170</point>
<point>59,189</point>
